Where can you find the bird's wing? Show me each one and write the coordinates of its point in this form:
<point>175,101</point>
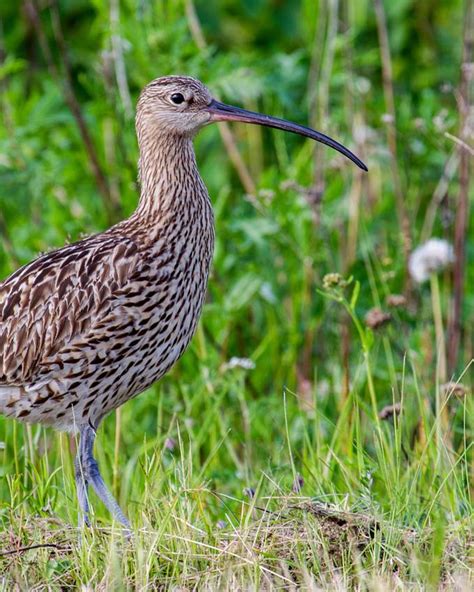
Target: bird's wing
<point>50,303</point>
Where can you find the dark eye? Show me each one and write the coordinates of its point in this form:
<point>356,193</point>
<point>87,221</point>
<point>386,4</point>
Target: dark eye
<point>177,98</point>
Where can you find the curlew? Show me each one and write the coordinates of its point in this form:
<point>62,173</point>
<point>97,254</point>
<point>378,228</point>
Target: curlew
<point>91,325</point>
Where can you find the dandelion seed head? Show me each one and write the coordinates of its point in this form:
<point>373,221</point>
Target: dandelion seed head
<point>432,257</point>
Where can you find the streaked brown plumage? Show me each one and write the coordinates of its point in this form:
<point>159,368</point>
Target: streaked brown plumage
<point>85,328</point>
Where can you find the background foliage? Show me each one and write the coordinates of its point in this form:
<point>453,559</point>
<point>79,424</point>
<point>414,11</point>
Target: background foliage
<point>287,214</point>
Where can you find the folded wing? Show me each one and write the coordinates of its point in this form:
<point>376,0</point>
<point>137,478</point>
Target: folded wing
<point>48,305</point>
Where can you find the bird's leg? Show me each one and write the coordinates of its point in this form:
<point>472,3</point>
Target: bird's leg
<point>90,474</point>
<point>81,489</point>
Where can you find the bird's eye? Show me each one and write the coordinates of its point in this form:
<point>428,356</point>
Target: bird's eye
<point>177,98</point>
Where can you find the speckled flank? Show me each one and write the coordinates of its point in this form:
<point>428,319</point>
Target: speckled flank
<point>85,328</point>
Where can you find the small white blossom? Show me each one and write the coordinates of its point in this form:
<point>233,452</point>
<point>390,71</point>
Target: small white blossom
<point>244,363</point>
<point>433,256</point>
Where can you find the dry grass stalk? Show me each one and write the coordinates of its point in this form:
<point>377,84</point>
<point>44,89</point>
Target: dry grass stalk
<point>466,111</point>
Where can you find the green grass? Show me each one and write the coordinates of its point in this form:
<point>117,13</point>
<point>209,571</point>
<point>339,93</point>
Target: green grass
<point>183,483</point>
<point>343,499</point>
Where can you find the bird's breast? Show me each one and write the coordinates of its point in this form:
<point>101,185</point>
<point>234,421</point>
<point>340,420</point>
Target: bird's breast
<point>172,296</point>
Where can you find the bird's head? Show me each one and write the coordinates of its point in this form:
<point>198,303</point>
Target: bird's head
<point>181,105</point>
<point>175,104</point>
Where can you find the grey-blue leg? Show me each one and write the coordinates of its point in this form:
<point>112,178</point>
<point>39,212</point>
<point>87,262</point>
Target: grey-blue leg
<point>81,489</point>
<point>87,473</point>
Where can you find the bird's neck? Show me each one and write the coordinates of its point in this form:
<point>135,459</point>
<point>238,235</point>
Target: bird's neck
<point>169,178</point>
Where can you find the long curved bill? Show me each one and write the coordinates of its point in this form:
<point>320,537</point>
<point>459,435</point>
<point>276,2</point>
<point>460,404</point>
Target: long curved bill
<point>222,112</point>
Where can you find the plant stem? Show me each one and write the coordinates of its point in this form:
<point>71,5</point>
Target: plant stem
<point>387,78</point>
<point>466,109</point>
<point>439,330</point>
<point>442,416</point>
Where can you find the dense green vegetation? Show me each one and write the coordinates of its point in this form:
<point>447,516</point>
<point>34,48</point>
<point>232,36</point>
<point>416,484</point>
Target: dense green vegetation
<point>309,423</point>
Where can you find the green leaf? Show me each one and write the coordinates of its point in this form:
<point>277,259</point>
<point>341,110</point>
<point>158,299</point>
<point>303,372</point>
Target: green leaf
<point>355,295</point>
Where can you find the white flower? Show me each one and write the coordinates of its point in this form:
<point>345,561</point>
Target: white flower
<point>433,256</point>
<point>244,363</point>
